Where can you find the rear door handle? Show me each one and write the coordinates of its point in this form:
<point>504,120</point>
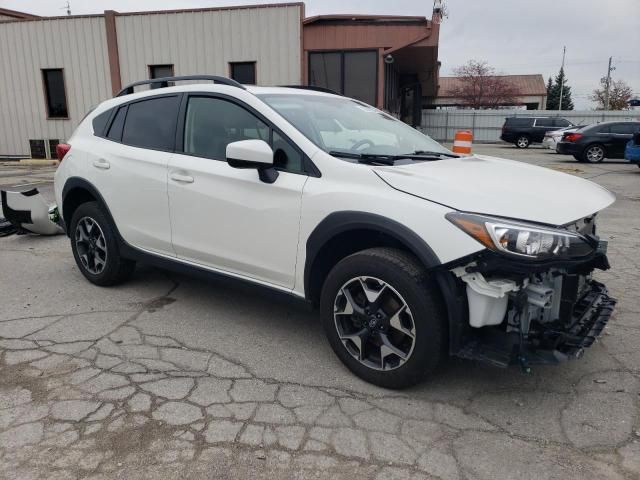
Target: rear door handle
<point>178,177</point>
<point>102,163</point>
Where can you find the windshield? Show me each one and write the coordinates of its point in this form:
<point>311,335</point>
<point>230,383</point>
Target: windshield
<point>337,124</point>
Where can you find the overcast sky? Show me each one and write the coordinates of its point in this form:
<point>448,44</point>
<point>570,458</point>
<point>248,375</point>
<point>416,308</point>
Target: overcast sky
<point>514,36</point>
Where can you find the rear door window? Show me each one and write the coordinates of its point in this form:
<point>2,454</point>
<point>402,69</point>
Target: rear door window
<point>518,122</point>
<point>152,123</point>
<point>544,122</point>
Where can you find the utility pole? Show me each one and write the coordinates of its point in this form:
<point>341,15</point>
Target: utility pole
<point>608,84</point>
<point>67,7</point>
<point>564,51</point>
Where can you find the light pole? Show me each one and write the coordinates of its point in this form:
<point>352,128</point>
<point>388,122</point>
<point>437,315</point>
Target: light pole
<point>564,51</point>
<point>608,85</point>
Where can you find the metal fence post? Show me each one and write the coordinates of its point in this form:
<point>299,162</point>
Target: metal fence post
<point>473,124</point>
<point>446,126</point>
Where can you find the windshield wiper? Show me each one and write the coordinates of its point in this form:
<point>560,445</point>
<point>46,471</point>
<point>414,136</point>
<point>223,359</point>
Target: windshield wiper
<point>369,158</point>
<point>379,158</point>
<point>426,152</point>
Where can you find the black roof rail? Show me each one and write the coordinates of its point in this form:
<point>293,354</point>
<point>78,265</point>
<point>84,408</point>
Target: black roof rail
<point>313,88</point>
<point>164,82</point>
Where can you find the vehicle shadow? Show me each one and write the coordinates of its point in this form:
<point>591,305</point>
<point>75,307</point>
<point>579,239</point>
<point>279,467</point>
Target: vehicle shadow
<point>278,339</point>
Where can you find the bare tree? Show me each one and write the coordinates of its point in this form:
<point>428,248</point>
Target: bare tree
<point>479,87</point>
<point>619,95</point>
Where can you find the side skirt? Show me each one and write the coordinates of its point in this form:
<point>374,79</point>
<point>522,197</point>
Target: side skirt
<point>207,275</point>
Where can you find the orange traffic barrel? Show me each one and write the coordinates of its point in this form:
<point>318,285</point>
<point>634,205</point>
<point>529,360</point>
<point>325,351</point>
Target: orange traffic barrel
<point>462,142</point>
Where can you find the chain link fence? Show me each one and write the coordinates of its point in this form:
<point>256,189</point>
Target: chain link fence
<point>486,125</point>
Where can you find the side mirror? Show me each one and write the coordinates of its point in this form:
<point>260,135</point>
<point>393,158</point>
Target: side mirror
<point>255,154</point>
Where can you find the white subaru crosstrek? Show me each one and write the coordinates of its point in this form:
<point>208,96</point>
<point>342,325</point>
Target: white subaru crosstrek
<point>409,251</point>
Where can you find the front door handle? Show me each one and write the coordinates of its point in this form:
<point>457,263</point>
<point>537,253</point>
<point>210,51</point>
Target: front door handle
<point>178,177</point>
<point>102,164</point>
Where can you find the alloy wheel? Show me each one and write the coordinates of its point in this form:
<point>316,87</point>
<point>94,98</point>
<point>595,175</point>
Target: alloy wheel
<point>374,323</point>
<point>91,245</point>
<point>595,154</point>
<point>523,142</point>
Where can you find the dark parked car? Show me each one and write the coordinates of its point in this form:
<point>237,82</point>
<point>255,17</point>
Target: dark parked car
<point>594,143</point>
<point>523,131</point>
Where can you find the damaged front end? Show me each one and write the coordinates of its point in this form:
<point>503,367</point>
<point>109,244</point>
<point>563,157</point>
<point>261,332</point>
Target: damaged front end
<point>528,308</point>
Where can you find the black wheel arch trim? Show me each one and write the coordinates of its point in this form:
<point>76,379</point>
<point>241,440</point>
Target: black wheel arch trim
<point>340,222</point>
<point>73,183</point>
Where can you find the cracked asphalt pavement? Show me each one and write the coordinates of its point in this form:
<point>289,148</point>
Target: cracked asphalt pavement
<point>172,377</point>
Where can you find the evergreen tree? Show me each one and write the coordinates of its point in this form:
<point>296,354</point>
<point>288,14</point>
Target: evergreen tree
<point>549,89</point>
<point>553,93</point>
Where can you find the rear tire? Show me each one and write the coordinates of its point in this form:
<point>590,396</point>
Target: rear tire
<point>384,317</point>
<point>523,141</point>
<point>594,153</point>
<point>95,247</point>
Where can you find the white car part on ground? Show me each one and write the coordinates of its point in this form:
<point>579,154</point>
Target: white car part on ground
<point>29,211</point>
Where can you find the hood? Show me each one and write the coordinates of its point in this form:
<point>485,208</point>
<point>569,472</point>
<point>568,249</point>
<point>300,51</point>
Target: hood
<point>505,188</point>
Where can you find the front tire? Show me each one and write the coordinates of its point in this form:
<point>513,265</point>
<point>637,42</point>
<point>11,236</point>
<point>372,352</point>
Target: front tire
<point>523,141</point>
<point>383,317</point>
<point>594,153</point>
<point>95,247</point>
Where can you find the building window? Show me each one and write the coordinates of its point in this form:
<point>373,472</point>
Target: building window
<point>351,73</point>
<point>54,92</point>
<point>160,71</point>
<point>37,149</point>
<point>243,72</point>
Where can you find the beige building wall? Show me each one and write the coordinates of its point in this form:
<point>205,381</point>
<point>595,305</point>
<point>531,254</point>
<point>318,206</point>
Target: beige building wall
<point>194,41</point>
<point>78,46</point>
<point>204,42</point>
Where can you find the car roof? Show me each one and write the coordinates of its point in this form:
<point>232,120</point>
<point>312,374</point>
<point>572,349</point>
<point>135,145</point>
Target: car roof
<point>289,91</point>
<point>217,88</point>
<point>513,117</point>
<point>611,122</point>
<point>208,87</point>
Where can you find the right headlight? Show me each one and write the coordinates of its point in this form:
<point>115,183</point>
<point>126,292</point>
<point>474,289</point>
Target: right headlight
<point>522,239</point>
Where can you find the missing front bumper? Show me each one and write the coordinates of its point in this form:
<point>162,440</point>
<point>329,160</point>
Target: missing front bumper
<point>546,344</point>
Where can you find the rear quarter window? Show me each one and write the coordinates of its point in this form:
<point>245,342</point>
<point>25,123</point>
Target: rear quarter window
<point>562,122</point>
<point>100,123</point>
<point>623,128</point>
<point>593,129</point>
